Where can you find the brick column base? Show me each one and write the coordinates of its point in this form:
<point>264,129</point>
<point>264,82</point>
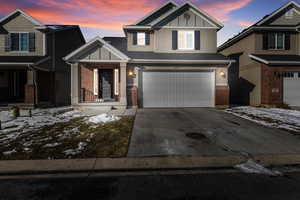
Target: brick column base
<point>29,94</point>
<point>133,97</point>
<point>222,96</point>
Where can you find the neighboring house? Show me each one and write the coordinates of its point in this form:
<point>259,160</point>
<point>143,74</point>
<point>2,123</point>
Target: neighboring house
<point>167,59</point>
<point>268,66</point>
<point>32,71</point>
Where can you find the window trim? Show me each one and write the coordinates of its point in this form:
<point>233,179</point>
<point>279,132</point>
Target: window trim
<point>276,42</point>
<point>185,37</point>
<point>19,42</point>
<point>137,36</point>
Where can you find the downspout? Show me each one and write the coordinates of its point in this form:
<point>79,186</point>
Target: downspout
<point>53,67</point>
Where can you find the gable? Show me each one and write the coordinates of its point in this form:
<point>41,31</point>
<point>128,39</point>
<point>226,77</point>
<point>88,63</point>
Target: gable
<point>192,10</point>
<point>97,52</point>
<point>282,20</point>
<point>18,23</point>
<point>278,17</point>
<point>189,19</point>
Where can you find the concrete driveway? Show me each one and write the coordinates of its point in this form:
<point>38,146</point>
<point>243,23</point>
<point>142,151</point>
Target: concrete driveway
<point>205,132</point>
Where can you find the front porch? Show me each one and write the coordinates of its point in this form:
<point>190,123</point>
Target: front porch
<point>99,85</point>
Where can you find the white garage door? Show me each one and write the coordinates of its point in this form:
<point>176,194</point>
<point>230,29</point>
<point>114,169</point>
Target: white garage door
<point>291,89</point>
<point>178,89</point>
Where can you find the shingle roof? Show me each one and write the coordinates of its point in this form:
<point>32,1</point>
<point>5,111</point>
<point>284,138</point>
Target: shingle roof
<point>121,44</point>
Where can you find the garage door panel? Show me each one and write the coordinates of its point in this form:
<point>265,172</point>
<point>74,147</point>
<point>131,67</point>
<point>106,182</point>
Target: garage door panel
<point>291,90</point>
<point>178,89</point>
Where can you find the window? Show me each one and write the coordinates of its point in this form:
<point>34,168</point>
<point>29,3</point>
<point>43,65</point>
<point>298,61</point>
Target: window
<point>276,41</point>
<point>19,41</point>
<point>141,39</point>
<point>186,40</point>
<point>289,14</point>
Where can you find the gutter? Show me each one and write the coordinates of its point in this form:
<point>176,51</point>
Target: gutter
<point>183,61</point>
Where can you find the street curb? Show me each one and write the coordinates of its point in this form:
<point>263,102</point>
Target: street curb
<point>116,164</point>
<point>86,166</point>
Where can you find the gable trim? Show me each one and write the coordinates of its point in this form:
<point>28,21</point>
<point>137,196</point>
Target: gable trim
<point>34,21</point>
<point>279,10</point>
<point>106,45</point>
<point>154,11</point>
<point>197,10</point>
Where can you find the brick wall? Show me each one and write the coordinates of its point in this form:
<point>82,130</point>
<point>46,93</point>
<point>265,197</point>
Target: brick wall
<point>29,94</point>
<point>272,85</point>
<point>222,95</point>
<point>87,84</point>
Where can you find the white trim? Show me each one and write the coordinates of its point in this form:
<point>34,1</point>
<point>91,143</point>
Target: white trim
<point>4,63</point>
<point>258,59</point>
<point>182,61</point>
<point>44,44</point>
<point>36,22</point>
<point>196,13</point>
<point>136,27</point>
<point>116,80</point>
<point>186,27</point>
<point>106,45</point>
<point>279,10</point>
<point>276,42</point>
<point>96,81</point>
<point>154,11</point>
<point>101,61</point>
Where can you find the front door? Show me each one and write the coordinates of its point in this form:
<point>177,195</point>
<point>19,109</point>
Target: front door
<point>107,84</point>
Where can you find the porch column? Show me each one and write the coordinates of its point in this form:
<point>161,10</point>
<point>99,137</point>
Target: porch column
<point>29,88</point>
<point>74,84</point>
<point>123,83</point>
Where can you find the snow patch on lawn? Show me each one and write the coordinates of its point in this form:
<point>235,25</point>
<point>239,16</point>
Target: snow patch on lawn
<point>271,117</point>
<point>103,118</point>
<point>14,128</point>
<point>6,153</point>
<point>51,145</point>
<point>78,150</point>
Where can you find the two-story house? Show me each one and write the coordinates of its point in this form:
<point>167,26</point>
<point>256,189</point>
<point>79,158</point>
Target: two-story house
<point>268,61</point>
<point>32,71</point>
<point>167,59</point>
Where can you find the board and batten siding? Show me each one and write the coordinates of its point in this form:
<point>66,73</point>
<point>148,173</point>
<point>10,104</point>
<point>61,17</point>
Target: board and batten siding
<point>99,53</point>
<point>21,24</point>
<point>192,20</point>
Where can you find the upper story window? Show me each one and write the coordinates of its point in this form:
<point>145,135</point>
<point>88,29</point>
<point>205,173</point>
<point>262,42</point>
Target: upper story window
<point>289,14</point>
<point>186,40</point>
<point>141,39</point>
<point>19,42</point>
<point>276,41</point>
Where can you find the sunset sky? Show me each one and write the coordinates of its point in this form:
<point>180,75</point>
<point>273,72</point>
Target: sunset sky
<point>106,17</point>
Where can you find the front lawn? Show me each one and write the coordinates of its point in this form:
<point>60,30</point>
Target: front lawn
<point>75,137</point>
<point>284,119</point>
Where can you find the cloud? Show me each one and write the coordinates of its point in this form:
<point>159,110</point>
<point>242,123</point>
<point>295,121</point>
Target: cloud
<point>108,14</point>
<point>222,9</point>
<point>244,23</point>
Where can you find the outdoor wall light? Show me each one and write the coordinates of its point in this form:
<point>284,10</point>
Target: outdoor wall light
<point>222,74</point>
<point>131,73</point>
